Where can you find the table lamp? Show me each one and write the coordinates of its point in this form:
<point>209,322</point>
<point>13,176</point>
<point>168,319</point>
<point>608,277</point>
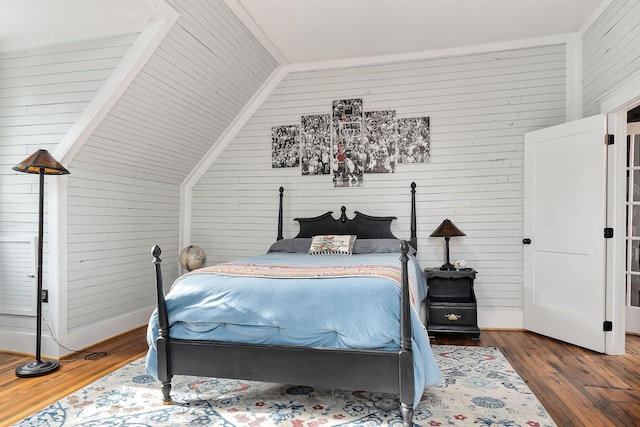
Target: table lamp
<point>447,229</point>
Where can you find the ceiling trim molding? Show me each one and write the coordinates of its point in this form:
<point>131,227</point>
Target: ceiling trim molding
<point>432,54</point>
<point>604,4</point>
<point>74,35</point>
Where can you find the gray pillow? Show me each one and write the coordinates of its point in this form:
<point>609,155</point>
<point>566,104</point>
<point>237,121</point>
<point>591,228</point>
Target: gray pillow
<point>300,245</point>
<point>373,246</point>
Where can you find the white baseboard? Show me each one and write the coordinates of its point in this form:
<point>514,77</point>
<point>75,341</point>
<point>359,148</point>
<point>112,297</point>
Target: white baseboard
<point>76,339</point>
<point>85,336</point>
<point>25,343</point>
<point>498,318</point>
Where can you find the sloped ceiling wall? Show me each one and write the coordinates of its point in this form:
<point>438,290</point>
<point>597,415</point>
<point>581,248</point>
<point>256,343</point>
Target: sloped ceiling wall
<point>125,193</point>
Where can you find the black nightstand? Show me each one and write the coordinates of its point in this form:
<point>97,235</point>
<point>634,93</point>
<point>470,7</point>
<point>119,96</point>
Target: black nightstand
<point>451,303</point>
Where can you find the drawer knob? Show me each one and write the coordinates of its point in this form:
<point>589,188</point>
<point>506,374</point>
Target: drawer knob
<point>453,317</point>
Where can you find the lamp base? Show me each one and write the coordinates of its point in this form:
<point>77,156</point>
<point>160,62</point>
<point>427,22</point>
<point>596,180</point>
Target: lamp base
<point>448,266</point>
<point>37,368</point>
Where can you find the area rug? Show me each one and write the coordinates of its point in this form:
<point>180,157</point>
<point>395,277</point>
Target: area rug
<point>479,388</point>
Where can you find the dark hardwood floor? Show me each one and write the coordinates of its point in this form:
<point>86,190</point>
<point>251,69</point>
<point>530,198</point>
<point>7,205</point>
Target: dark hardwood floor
<point>577,386</point>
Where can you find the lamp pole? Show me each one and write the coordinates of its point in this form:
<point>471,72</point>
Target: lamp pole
<point>39,270</point>
<point>446,243</point>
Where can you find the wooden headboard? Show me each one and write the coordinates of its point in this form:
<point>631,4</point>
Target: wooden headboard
<point>362,225</point>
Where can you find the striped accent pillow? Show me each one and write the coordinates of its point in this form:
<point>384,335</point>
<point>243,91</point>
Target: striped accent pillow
<point>332,245</point>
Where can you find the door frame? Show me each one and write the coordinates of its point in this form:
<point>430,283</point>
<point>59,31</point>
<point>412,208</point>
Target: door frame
<point>632,313</point>
<point>615,105</point>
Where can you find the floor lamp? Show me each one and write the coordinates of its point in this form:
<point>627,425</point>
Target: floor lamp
<point>42,163</point>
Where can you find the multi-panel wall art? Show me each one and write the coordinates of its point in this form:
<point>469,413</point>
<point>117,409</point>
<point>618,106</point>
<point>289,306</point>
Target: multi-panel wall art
<point>351,142</point>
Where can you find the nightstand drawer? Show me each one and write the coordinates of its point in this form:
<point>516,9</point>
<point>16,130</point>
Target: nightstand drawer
<point>449,289</point>
<point>448,314</point>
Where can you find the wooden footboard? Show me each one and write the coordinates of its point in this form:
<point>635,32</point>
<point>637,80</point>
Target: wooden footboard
<point>370,370</point>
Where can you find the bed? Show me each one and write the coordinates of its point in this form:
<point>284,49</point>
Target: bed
<point>355,323</point>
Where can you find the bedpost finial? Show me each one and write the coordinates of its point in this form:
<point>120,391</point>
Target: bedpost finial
<point>156,251</point>
<point>281,190</point>
<point>413,185</point>
<point>404,247</point>
<point>343,215</point>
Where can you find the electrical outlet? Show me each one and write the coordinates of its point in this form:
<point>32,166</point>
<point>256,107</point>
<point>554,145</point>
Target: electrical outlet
<point>45,295</point>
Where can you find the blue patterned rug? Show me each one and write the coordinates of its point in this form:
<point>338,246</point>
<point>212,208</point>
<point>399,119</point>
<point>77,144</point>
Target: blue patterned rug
<point>480,388</point>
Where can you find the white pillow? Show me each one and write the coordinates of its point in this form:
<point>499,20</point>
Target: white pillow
<point>332,245</point>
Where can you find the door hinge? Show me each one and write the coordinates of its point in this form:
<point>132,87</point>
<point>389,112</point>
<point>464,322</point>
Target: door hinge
<point>607,326</point>
<point>608,232</point>
<point>609,139</point>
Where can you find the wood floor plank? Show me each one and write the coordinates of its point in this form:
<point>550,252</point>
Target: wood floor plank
<point>21,397</point>
<point>577,387</point>
<point>564,377</point>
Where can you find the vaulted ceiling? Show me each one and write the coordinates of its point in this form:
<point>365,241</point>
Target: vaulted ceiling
<point>315,30</point>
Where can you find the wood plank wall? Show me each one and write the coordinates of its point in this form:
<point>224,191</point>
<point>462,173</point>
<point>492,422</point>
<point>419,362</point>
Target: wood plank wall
<point>611,52</point>
<point>125,192</point>
<point>480,106</point>
<point>42,93</point>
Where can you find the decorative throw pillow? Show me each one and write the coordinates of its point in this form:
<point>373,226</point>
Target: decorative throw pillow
<point>332,245</point>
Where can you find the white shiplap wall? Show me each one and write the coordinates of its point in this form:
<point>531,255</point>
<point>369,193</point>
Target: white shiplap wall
<point>125,194</point>
<point>480,106</point>
<point>42,93</point>
<point>611,52</point>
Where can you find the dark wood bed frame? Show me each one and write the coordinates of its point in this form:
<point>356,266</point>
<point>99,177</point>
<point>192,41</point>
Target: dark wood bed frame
<point>369,370</point>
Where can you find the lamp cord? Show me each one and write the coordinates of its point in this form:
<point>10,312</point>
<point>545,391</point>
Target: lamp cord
<point>90,355</point>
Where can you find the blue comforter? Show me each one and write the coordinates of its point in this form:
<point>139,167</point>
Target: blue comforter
<point>360,312</point>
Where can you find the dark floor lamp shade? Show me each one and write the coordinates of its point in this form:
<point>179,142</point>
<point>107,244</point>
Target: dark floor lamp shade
<point>447,230</point>
<point>42,163</point>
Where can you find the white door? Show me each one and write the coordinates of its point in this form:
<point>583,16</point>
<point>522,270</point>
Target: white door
<point>564,218</point>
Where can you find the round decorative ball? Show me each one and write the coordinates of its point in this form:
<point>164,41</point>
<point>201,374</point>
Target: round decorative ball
<point>461,264</point>
<point>192,257</point>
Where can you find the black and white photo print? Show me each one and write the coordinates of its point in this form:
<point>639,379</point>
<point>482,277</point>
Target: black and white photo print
<point>315,150</point>
<point>348,143</point>
<point>285,146</point>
